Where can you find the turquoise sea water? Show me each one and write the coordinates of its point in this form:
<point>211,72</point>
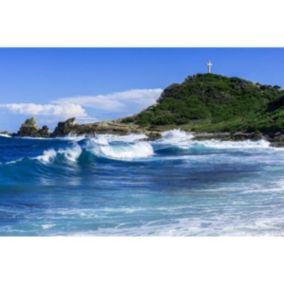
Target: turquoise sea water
<point>124,185</point>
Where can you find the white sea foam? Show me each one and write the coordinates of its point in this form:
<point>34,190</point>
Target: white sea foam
<point>47,226</point>
<point>47,156</point>
<point>133,137</point>
<point>71,137</point>
<point>127,147</point>
<point>33,138</point>
<point>217,225</point>
<point>176,138</point>
<point>14,161</point>
<point>246,144</point>
<point>184,140</point>
<point>123,151</point>
<point>176,135</point>
<point>100,140</point>
<point>5,135</point>
<point>70,154</point>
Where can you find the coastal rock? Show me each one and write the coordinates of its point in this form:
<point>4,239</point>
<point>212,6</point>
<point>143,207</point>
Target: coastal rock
<point>237,136</point>
<point>217,135</point>
<point>277,140</point>
<point>64,128</point>
<point>44,132</point>
<point>104,127</point>
<point>29,128</point>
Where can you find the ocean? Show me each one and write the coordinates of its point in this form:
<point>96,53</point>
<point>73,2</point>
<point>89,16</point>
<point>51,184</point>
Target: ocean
<point>127,186</point>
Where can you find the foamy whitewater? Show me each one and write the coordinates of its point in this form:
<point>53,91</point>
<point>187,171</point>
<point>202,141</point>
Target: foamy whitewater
<point>126,185</point>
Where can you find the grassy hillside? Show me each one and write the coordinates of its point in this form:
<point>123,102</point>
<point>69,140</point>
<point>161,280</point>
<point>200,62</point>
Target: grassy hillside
<point>209,102</point>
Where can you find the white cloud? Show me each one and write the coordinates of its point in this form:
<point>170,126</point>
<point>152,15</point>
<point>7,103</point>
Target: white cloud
<point>58,110</point>
<point>86,108</point>
<point>116,102</point>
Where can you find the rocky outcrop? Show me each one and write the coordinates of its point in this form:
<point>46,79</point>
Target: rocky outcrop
<point>64,128</point>
<point>70,127</point>
<point>237,136</point>
<point>276,139</point>
<point>29,128</point>
<point>44,131</point>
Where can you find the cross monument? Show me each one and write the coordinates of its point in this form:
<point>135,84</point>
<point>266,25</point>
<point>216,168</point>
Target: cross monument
<point>209,65</point>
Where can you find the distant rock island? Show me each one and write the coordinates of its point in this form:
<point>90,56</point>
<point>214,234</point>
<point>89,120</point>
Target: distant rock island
<point>212,106</point>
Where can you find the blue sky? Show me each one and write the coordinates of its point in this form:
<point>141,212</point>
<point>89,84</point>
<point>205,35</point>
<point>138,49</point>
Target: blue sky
<point>97,84</point>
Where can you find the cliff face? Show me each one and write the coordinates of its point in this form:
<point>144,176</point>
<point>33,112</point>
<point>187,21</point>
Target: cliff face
<point>212,103</point>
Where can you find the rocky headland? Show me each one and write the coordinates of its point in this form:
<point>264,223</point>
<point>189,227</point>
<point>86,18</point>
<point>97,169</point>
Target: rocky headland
<point>210,106</point>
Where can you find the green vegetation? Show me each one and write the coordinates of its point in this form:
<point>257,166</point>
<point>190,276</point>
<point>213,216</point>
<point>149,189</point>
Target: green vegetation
<point>214,103</point>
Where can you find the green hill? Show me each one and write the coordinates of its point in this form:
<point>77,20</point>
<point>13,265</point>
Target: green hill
<point>214,103</point>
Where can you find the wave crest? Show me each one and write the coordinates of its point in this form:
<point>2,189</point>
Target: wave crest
<point>121,150</point>
<point>70,154</point>
<point>184,140</point>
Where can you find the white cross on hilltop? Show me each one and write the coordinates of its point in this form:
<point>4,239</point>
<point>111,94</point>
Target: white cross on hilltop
<point>209,65</point>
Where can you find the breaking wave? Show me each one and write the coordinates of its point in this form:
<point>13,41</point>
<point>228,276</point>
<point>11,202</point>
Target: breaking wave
<point>135,146</point>
<point>174,140</point>
<point>70,154</point>
<point>5,135</point>
<point>120,148</point>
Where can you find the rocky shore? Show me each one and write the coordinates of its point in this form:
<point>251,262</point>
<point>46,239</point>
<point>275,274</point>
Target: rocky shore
<point>275,139</point>
<point>104,127</point>
<point>69,127</point>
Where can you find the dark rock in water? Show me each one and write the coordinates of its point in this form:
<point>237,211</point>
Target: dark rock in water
<point>64,128</point>
<point>29,128</point>
<point>277,140</point>
<point>237,136</point>
<point>44,131</point>
<point>215,135</point>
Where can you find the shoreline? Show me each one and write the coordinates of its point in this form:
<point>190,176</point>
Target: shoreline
<point>29,129</point>
<point>275,139</point>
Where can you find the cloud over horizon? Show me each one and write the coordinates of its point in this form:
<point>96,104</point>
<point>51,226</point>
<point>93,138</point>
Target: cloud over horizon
<point>58,110</point>
<point>88,108</point>
<point>117,101</point>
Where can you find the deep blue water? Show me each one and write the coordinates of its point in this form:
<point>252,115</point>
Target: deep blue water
<point>111,185</point>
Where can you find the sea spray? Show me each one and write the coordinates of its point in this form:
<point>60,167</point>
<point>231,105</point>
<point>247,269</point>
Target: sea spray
<point>47,157</point>
<point>101,147</point>
<point>70,154</point>
<point>185,140</point>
